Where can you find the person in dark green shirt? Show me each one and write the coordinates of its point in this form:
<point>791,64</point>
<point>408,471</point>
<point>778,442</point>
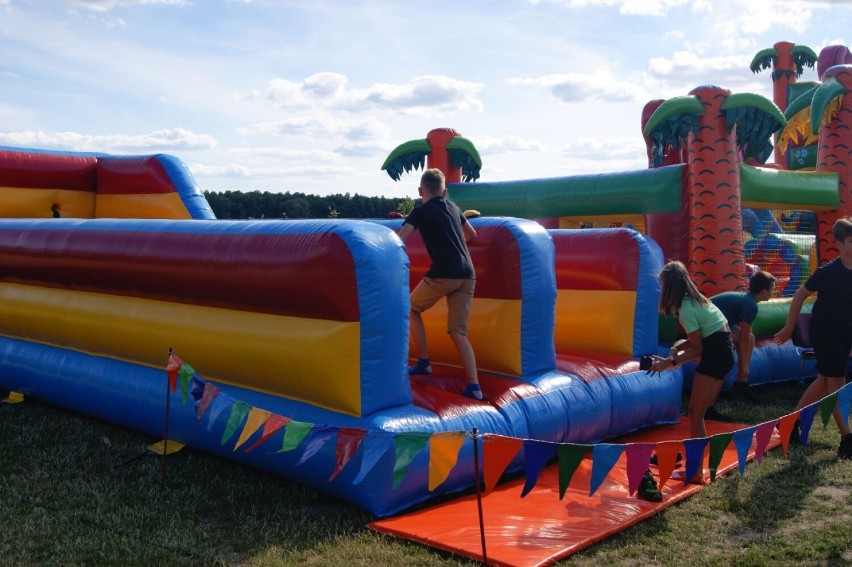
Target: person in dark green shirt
<point>740,310</point>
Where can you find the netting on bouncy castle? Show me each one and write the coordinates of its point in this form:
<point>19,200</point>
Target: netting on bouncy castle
<point>781,242</point>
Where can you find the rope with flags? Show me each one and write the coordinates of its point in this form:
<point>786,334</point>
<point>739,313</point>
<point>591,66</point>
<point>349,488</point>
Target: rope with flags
<point>498,451</point>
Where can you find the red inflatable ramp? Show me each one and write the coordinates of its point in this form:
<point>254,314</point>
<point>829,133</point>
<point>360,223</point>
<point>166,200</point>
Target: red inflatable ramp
<point>540,529</point>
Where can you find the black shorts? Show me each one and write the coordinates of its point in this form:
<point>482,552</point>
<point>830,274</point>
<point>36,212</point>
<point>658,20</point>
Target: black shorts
<point>832,341</point>
<point>717,355</point>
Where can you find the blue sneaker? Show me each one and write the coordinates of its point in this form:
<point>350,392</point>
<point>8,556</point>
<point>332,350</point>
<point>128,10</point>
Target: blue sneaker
<point>422,367</point>
<point>473,391</point>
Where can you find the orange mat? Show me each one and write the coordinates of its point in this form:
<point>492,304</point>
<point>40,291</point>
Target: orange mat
<point>540,529</point>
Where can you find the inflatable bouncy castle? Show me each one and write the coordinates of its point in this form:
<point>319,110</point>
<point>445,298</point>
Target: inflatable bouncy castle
<point>109,264</point>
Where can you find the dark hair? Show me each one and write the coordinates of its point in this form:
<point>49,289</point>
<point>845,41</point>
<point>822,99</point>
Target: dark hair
<point>760,281</point>
<point>675,284</point>
<point>432,181</point>
<point>842,229</point>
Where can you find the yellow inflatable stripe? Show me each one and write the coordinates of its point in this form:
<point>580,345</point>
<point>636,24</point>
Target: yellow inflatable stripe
<point>141,206</point>
<point>595,320</point>
<point>311,360</point>
<point>494,333</point>
<point>17,202</point>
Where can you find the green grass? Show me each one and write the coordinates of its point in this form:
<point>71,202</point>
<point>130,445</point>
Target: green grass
<point>60,504</point>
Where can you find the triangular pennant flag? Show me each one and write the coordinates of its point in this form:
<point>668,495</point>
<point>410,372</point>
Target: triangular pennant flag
<point>348,441</point>
<point>220,403</point>
<point>536,455</point>
<point>408,446</point>
<point>826,407</point>
<point>806,421</point>
<point>569,456</point>
<point>718,444</point>
<point>172,370</point>
<point>604,457</point>
<point>273,424</point>
<point>197,389</point>
<point>256,418</point>
<point>375,446</point>
<point>763,435</point>
<point>638,456</point>
<point>844,401</point>
<point>208,395</point>
<point>318,437</point>
<point>785,428</point>
<point>443,454</point>
<point>239,411</point>
<point>743,439</point>
<point>695,449</point>
<point>185,372</point>
<point>497,452</point>
<point>294,433</point>
<point>667,452</point>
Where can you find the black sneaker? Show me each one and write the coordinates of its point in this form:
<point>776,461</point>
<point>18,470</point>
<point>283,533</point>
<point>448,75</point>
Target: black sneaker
<point>714,415</point>
<point>422,367</point>
<point>648,488</point>
<point>845,449</point>
<point>741,391</point>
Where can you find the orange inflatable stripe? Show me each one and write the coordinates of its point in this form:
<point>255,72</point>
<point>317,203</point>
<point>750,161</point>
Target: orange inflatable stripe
<point>312,360</point>
<point>18,202</point>
<point>141,206</point>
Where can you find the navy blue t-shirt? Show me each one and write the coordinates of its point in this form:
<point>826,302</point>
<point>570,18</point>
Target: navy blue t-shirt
<point>833,284</point>
<point>440,224</point>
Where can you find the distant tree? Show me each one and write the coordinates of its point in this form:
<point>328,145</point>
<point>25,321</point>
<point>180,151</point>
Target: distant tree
<point>267,205</point>
<point>405,206</point>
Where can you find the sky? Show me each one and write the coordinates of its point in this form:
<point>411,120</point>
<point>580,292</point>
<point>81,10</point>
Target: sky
<point>311,96</point>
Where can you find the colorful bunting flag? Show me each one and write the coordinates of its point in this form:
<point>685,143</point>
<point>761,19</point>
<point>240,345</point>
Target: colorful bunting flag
<point>220,403</point>
<point>762,436</point>
<point>638,457</point>
<point>273,424</point>
<point>604,457</point>
<point>318,437</point>
<point>408,446</point>
<point>185,372</point>
<point>256,418</point>
<point>718,444</point>
<point>443,455</point>
<point>667,452</point>
<point>497,452</point>
<point>569,457</point>
<point>376,444</point>
<point>742,441</point>
<point>826,408</point>
<point>348,441</point>
<point>172,370</point>
<point>785,428</point>
<point>536,455</point>
<point>844,401</point>
<point>207,396</point>
<point>694,449</point>
<point>239,411</point>
<point>806,421</point>
<point>294,433</point>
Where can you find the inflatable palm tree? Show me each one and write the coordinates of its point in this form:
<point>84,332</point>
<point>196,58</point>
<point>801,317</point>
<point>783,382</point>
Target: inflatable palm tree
<point>720,130</point>
<point>443,148</point>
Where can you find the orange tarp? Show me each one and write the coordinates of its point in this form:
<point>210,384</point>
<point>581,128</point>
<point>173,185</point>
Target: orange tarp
<point>540,529</point>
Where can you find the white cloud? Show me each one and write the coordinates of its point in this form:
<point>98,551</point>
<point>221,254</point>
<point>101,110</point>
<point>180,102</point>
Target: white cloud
<point>166,140</point>
<point>507,144</point>
<point>626,7</point>
<point>580,87</point>
<point>106,5</point>
<point>604,149</point>
<point>426,94</point>
<point>234,170</point>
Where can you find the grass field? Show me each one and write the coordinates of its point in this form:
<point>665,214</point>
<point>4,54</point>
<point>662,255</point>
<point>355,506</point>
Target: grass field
<point>61,504</point>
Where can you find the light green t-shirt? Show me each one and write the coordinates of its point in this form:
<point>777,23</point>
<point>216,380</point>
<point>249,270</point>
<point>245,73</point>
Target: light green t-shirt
<point>693,316</point>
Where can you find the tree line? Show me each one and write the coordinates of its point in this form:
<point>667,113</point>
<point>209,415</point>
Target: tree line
<point>266,205</point>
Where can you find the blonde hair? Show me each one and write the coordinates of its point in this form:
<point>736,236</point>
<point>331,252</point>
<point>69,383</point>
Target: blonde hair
<point>675,284</point>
